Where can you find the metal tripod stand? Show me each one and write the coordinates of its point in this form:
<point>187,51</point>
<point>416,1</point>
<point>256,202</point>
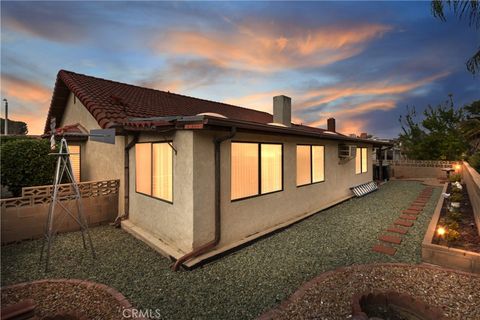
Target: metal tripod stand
<point>64,167</point>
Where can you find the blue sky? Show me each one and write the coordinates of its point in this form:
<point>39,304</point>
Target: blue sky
<point>360,62</point>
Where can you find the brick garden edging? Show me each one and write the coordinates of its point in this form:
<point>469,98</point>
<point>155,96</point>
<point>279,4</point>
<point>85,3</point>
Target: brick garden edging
<point>275,311</point>
<point>120,298</point>
<point>446,256</point>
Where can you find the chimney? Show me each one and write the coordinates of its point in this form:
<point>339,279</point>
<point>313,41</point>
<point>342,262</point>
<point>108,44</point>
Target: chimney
<point>363,135</point>
<point>331,124</point>
<point>282,110</point>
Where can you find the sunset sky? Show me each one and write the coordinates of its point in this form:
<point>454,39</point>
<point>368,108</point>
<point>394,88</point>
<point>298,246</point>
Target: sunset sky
<point>360,62</point>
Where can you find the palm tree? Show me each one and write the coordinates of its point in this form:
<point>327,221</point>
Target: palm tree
<point>469,9</point>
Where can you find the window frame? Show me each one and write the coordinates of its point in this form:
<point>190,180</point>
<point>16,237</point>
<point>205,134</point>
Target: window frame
<point>79,160</point>
<point>169,142</point>
<point>259,186</point>
<point>311,164</point>
<point>361,160</point>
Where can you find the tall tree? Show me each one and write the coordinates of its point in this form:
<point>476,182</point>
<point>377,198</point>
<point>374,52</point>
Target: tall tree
<point>471,125</point>
<point>14,127</point>
<point>469,9</point>
<point>437,137</point>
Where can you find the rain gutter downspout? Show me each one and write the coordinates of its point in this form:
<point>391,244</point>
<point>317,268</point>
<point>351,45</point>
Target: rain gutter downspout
<point>126,178</point>
<point>217,224</point>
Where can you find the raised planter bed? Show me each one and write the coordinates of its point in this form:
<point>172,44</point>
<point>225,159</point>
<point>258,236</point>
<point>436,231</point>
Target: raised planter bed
<point>437,251</point>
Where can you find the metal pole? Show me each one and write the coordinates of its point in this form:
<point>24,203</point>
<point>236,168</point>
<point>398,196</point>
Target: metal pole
<point>6,116</point>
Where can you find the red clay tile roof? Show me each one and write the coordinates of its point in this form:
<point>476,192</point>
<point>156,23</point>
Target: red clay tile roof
<point>113,102</point>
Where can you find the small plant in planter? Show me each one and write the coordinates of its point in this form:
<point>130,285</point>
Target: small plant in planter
<point>455,199</point>
<point>452,235</point>
<point>455,178</point>
<point>454,216</point>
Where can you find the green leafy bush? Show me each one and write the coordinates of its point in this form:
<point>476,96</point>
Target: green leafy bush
<point>452,235</point>
<point>455,177</point>
<point>454,216</point>
<point>474,161</point>
<point>456,197</point>
<point>25,163</point>
<point>456,190</point>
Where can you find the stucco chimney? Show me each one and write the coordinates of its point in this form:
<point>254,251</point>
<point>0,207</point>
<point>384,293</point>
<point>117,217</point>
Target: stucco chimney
<point>331,124</point>
<point>363,135</point>
<point>282,110</point>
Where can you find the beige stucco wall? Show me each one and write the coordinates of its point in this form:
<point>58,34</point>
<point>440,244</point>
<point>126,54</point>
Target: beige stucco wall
<point>244,218</point>
<point>99,161</point>
<point>172,223</point>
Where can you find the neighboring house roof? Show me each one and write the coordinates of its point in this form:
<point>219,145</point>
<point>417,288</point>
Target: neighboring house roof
<point>116,104</point>
<point>113,102</point>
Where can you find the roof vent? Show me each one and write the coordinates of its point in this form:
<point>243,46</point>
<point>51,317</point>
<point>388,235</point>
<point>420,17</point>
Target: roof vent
<point>212,114</point>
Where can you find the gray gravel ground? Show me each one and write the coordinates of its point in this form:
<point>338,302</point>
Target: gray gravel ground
<point>331,298</point>
<point>242,284</point>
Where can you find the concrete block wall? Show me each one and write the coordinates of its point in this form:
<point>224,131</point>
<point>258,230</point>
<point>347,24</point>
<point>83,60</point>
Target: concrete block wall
<point>24,220</point>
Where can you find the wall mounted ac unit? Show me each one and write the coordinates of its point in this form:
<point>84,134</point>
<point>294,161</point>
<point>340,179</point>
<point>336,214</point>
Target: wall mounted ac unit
<point>347,151</point>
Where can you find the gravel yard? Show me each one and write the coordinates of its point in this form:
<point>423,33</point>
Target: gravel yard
<point>83,301</point>
<point>330,297</point>
<point>243,284</point>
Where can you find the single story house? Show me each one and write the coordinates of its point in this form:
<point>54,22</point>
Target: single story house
<point>199,177</point>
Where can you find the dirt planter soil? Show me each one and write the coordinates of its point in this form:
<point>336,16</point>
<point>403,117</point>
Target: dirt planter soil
<point>330,295</point>
<point>68,296</point>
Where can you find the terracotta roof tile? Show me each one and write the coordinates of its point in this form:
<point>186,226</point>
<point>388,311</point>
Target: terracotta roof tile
<point>113,102</point>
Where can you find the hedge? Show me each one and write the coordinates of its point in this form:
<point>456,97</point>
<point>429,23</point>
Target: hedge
<point>26,163</point>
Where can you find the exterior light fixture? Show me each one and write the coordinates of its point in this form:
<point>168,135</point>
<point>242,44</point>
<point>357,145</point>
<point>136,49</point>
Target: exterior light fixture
<point>457,167</point>
<point>441,231</point>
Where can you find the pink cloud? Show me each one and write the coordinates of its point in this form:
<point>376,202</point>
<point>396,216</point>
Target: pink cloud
<point>264,48</point>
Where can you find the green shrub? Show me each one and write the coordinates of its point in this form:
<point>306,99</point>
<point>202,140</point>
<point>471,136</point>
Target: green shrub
<point>474,161</point>
<point>452,235</point>
<point>454,216</point>
<point>451,225</point>
<point>456,190</point>
<point>455,177</point>
<point>456,197</point>
<point>26,163</point>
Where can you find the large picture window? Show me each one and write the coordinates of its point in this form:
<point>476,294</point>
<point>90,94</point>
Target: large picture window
<point>310,164</point>
<point>361,160</point>
<point>256,169</point>
<point>154,170</point>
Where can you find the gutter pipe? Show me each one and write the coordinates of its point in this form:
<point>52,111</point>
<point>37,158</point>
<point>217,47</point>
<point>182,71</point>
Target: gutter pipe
<point>217,225</point>
<point>126,178</point>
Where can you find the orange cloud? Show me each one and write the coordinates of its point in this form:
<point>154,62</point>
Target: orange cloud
<point>28,102</point>
<point>261,48</point>
<point>259,101</point>
<point>346,123</point>
<point>24,90</point>
<point>330,94</point>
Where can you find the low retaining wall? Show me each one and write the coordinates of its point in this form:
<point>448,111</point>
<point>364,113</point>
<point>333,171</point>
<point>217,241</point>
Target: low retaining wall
<point>472,179</point>
<point>24,217</point>
<point>444,256</point>
<point>413,169</point>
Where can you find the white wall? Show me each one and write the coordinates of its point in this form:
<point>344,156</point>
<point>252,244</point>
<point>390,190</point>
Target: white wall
<point>241,219</point>
<point>172,223</point>
<point>99,161</point>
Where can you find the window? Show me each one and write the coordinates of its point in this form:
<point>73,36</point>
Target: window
<point>74,151</point>
<point>256,169</point>
<point>310,164</point>
<point>154,170</point>
<point>361,160</point>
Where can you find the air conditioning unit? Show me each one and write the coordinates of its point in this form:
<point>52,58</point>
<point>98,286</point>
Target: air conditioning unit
<point>346,151</point>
